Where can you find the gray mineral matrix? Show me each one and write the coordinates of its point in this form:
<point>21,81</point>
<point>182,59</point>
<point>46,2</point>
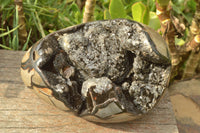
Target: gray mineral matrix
<point>131,55</point>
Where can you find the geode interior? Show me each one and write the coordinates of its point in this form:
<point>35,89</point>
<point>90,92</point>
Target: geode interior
<point>105,68</point>
<point>122,52</point>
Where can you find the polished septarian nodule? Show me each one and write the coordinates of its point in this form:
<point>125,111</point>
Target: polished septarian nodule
<point>103,71</point>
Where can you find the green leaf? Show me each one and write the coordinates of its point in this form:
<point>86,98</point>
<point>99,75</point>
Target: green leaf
<point>40,27</point>
<point>128,17</point>
<point>152,5</point>
<point>1,29</point>
<point>107,14</point>
<point>9,38</point>
<point>28,38</point>
<point>74,7</point>
<point>6,33</point>
<point>180,4</point>
<point>177,10</point>
<point>4,3</point>
<point>191,4</point>
<point>116,9</point>
<point>5,47</point>
<point>163,2</point>
<point>154,21</point>
<point>69,1</point>
<point>140,13</point>
<point>15,40</point>
<point>146,16</point>
<point>179,42</point>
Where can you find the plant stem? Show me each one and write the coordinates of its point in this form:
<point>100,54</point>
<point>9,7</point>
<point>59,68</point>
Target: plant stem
<point>80,3</point>
<point>5,47</point>
<point>193,45</point>
<point>15,38</point>
<point>195,30</point>
<point>168,30</point>
<point>21,22</point>
<point>40,28</point>
<point>9,31</point>
<point>89,11</point>
<point>191,65</point>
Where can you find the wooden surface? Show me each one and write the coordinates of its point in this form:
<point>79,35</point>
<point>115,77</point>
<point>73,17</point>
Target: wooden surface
<point>185,98</point>
<point>21,111</point>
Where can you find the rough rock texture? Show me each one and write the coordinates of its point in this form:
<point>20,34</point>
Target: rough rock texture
<point>108,48</point>
<point>104,70</point>
<point>123,52</point>
<point>96,51</point>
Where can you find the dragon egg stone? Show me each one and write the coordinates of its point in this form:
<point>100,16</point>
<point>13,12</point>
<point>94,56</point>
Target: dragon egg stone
<point>103,71</point>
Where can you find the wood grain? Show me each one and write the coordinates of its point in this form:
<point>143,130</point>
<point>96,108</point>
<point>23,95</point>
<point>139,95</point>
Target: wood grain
<point>21,111</point>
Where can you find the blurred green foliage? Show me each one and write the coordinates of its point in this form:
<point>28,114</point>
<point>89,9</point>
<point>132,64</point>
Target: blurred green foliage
<point>45,16</point>
<point>116,9</point>
<point>140,13</point>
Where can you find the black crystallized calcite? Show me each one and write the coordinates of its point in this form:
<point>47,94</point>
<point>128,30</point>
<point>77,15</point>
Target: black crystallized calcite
<point>105,69</point>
